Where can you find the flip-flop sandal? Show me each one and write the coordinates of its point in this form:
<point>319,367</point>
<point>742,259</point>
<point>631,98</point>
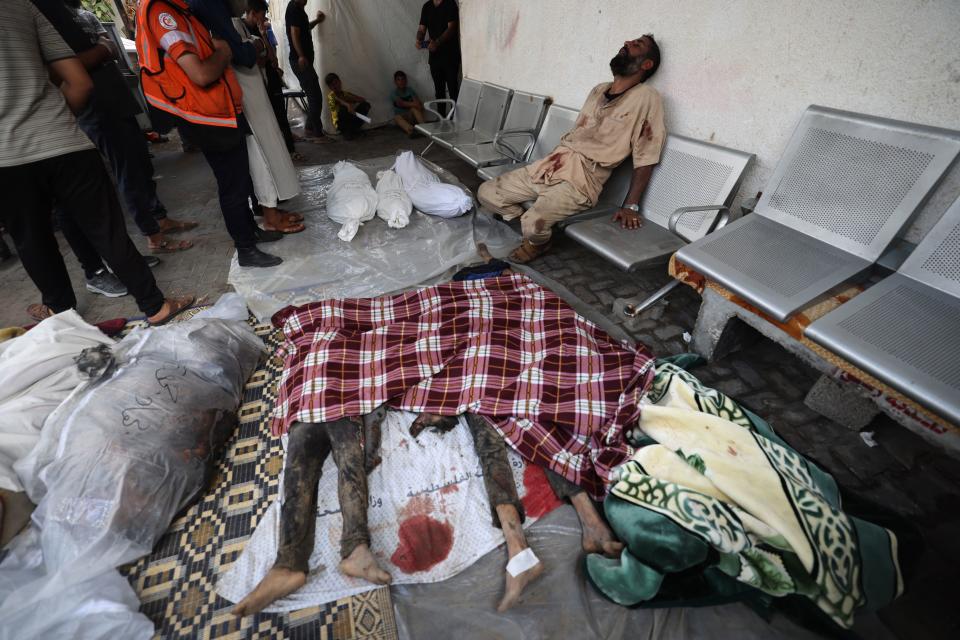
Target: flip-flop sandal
<point>168,246</point>
<point>288,228</point>
<point>40,312</point>
<point>179,305</point>
<point>179,227</point>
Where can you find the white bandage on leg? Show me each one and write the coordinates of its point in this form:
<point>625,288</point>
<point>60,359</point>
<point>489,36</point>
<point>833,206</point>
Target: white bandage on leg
<point>524,560</point>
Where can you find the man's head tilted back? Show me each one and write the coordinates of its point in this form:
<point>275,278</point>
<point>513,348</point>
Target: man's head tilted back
<point>638,56</point>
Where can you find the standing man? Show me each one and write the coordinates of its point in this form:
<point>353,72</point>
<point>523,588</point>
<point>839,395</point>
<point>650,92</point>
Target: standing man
<point>441,18</point>
<point>186,76</point>
<point>300,42</point>
<point>619,120</point>
<point>45,158</point>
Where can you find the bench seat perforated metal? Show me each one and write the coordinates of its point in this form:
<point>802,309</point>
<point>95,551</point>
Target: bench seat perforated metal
<point>513,142</point>
<point>558,121</point>
<point>905,330</point>
<point>463,115</point>
<point>691,174</point>
<point>491,108</point>
<point>846,185</point>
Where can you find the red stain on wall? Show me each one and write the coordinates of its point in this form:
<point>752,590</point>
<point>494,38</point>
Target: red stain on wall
<point>538,499</point>
<point>513,31</point>
<point>423,543</point>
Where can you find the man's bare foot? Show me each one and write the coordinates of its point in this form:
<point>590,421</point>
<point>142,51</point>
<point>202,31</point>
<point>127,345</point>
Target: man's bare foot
<point>516,585</point>
<point>361,564</point>
<point>171,307</point>
<point>597,536</point>
<point>169,225</point>
<point>278,582</point>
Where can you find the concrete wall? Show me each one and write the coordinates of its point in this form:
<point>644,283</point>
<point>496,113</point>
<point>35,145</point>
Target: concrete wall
<point>737,72</point>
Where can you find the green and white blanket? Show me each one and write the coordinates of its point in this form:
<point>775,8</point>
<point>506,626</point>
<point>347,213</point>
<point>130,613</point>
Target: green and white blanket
<point>713,487</point>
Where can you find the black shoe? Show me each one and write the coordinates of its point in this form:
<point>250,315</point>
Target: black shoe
<point>267,236</point>
<point>253,257</point>
<point>151,261</point>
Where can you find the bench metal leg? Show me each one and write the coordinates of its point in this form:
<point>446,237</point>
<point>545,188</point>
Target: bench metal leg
<point>633,307</point>
<point>424,152</point>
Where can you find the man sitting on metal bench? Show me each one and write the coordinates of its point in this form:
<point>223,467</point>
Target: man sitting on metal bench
<point>619,118</point>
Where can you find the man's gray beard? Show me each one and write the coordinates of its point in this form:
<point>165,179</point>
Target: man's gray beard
<point>625,65</point>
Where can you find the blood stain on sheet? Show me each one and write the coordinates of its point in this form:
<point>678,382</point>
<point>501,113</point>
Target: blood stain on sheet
<point>538,498</point>
<point>452,488</point>
<point>417,506</point>
<point>422,543</point>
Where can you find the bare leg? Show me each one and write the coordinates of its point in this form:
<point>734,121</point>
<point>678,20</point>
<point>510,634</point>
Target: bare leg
<point>596,536</point>
<point>504,502</point>
<point>516,542</point>
<point>418,115</point>
<point>309,446</point>
<point>358,561</point>
<point>404,124</point>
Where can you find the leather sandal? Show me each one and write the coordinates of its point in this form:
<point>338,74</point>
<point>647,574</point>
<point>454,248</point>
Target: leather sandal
<point>528,251</point>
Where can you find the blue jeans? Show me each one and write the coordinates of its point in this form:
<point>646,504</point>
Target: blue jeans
<point>124,146</point>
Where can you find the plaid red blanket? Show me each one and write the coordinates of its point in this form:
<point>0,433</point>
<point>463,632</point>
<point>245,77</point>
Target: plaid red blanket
<point>558,389</point>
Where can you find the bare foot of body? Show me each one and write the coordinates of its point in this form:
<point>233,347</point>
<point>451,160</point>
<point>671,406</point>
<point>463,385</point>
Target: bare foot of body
<point>441,424</point>
<point>278,582</point>
<point>361,564</point>
<point>597,536</point>
<point>516,585</point>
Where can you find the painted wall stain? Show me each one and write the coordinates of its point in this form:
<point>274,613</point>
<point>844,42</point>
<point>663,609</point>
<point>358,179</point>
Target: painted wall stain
<point>538,498</point>
<point>423,543</point>
<point>512,33</point>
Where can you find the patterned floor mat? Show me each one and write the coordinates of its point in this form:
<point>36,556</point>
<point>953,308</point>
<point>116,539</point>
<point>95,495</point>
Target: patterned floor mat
<point>176,582</point>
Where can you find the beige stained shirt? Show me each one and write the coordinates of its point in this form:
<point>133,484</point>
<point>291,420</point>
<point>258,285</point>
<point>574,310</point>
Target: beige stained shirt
<point>605,134</point>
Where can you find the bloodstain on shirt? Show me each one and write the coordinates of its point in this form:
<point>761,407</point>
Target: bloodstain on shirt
<point>539,499</point>
<point>423,543</point>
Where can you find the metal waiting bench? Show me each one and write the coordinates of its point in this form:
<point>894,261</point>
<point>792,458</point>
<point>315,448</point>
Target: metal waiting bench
<point>558,121</point>
<point>522,122</point>
<point>491,108</point>
<point>846,185</point>
<point>904,330</point>
<point>461,115</point>
<point>689,196</point>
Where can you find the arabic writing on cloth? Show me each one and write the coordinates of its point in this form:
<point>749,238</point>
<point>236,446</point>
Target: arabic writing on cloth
<point>556,387</point>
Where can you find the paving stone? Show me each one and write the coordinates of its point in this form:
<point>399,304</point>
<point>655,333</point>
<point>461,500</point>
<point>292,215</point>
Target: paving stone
<point>665,332</point>
<point>748,373</point>
<point>827,397</point>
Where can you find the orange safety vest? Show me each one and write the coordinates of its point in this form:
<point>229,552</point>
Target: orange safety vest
<point>167,87</point>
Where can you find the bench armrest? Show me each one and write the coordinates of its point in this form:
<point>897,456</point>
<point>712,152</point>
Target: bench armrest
<point>720,221</point>
<point>505,148</point>
<point>427,106</point>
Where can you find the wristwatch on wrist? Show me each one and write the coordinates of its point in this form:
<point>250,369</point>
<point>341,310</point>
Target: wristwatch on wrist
<point>633,207</point>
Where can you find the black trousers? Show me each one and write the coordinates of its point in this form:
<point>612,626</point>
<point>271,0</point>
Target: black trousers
<point>73,234</point>
<point>349,124</point>
<point>446,78</point>
<point>310,84</point>
<point>122,143</point>
<point>78,182</point>
<point>234,187</point>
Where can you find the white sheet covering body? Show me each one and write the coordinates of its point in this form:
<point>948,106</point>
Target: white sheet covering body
<point>272,170</point>
<point>393,203</point>
<point>352,200</point>
<point>37,373</point>
<point>428,194</point>
<point>429,517</point>
<point>115,463</point>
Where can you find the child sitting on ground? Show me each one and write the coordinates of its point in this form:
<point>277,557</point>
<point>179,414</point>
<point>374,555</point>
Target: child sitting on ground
<point>344,106</point>
<point>407,107</point>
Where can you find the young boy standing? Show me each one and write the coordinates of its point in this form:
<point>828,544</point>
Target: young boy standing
<point>407,107</point>
<point>344,106</point>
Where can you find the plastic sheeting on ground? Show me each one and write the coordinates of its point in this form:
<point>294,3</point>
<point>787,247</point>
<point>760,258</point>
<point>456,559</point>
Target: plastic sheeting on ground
<point>380,260</point>
<point>429,517</point>
<point>562,603</point>
<point>36,375</point>
<point>428,193</point>
<point>115,462</point>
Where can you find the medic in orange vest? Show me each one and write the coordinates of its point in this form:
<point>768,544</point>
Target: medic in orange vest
<point>201,88</point>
